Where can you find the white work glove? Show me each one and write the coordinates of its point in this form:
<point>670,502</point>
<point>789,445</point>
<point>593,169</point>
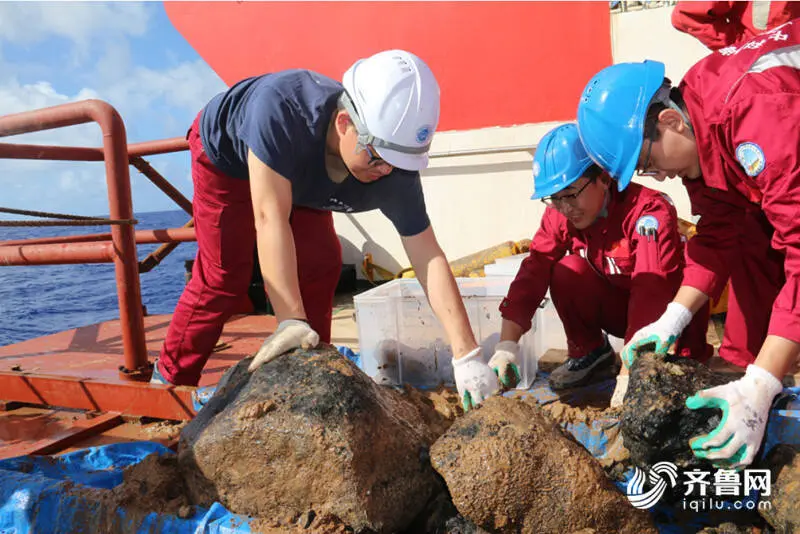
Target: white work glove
<point>289,335</point>
<point>745,405</point>
<point>620,390</point>
<point>663,333</point>
<point>504,363</point>
<point>475,380</point>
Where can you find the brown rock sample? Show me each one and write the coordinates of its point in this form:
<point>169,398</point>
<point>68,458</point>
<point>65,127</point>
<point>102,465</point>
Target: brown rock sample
<point>656,425</point>
<point>153,485</point>
<point>783,515</point>
<point>510,468</point>
<point>309,432</point>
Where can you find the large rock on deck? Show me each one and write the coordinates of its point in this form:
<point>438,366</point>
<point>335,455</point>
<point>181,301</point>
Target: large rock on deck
<point>656,425</point>
<point>309,434</point>
<point>510,468</point>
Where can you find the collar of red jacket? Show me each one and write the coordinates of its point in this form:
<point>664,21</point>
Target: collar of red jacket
<point>713,173</point>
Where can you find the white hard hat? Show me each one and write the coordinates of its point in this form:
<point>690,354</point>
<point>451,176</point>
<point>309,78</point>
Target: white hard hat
<point>396,99</point>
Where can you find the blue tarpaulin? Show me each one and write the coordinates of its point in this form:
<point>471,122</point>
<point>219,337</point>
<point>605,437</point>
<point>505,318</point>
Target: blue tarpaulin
<point>36,496</point>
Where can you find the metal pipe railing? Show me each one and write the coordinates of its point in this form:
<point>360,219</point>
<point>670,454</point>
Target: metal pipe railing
<point>122,249</point>
<point>158,255</point>
<point>58,254</point>
<point>159,181</point>
<point>143,237</point>
<point>82,153</point>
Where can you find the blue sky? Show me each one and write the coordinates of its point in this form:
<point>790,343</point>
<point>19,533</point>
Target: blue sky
<point>127,54</point>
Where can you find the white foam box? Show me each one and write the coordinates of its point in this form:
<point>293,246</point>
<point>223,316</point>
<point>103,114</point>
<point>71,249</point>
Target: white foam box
<point>507,266</point>
<point>550,329</point>
<point>402,341</point>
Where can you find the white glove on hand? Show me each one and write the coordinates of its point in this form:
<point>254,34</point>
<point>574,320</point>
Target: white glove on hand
<point>620,390</point>
<point>504,363</point>
<point>474,379</point>
<point>663,333</point>
<point>745,405</point>
<point>289,335</point>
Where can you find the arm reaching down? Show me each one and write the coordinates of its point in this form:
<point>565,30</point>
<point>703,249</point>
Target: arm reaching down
<point>475,380</point>
<point>272,205</point>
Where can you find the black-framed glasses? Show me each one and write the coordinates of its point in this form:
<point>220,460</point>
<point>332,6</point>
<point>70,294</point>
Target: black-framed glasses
<point>374,159</point>
<point>571,198</point>
<point>641,170</point>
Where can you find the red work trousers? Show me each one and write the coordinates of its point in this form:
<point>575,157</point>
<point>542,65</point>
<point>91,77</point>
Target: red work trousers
<point>226,237</point>
<point>589,304</point>
<point>757,276</point>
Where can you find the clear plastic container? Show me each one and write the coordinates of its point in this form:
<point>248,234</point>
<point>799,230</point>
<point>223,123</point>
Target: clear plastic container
<point>402,342</point>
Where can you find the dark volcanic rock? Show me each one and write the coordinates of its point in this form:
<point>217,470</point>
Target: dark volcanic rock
<point>510,468</point>
<point>656,424</point>
<point>440,516</point>
<point>310,433</point>
<point>783,514</point>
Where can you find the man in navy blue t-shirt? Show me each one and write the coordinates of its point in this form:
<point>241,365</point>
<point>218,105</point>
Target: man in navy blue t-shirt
<point>272,157</point>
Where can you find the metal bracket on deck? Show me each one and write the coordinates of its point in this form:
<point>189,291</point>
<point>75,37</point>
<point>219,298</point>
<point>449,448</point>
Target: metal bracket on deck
<point>140,374</point>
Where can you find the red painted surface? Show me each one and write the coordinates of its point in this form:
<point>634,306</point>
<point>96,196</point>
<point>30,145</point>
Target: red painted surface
<point>46,433</point>
<point>78,368</point>
<point>28,430</point>
<point>498,63</point>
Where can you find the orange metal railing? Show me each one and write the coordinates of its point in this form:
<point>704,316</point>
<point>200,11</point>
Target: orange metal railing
<point>118,246</point>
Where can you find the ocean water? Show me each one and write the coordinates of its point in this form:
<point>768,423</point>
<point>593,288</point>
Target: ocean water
<point>43,299</point>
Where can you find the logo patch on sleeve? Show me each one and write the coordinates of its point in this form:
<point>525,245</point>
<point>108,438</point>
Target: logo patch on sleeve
<point>647,224</point>
<point>751,158</point>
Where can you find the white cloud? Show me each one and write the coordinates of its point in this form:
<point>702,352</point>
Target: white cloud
<point>114,63</point>
<point>160,100</point>
<point>30,22</point>
<point>187,86</point>
<point>15,98</point>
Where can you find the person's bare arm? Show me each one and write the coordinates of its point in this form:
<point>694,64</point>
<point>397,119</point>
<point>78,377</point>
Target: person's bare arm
<point>272,205</point>
<point>436,278</point>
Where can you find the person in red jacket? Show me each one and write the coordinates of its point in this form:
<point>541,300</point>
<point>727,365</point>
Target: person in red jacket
<point>731,132</point>
<point>722,24</point>
<point>612,260</point>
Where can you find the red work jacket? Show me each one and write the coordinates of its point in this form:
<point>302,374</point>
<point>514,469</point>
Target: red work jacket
<point>635,247</point>
<point>744,106</point>
<point>721,24</point>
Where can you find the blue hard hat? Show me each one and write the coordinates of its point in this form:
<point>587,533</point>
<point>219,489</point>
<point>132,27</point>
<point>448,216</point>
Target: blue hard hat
<point>611,115</point>
<point>559,161</point>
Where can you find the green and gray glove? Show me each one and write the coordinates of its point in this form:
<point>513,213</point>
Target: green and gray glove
<point>504,363</point>
<point>475,380</point>
<point>662,333</point>
<point>745,405</point>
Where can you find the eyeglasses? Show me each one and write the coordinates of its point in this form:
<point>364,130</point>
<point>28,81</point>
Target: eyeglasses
<point>571,199</point>
<point>642,169</point>
<point>374,159</point>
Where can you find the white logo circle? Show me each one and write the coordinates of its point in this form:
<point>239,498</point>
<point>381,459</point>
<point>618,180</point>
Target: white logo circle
<point>644,500</point>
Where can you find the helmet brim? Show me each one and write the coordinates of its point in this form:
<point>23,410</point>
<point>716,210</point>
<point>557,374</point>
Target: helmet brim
<point>626,175</point>
<point>402,160</point>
